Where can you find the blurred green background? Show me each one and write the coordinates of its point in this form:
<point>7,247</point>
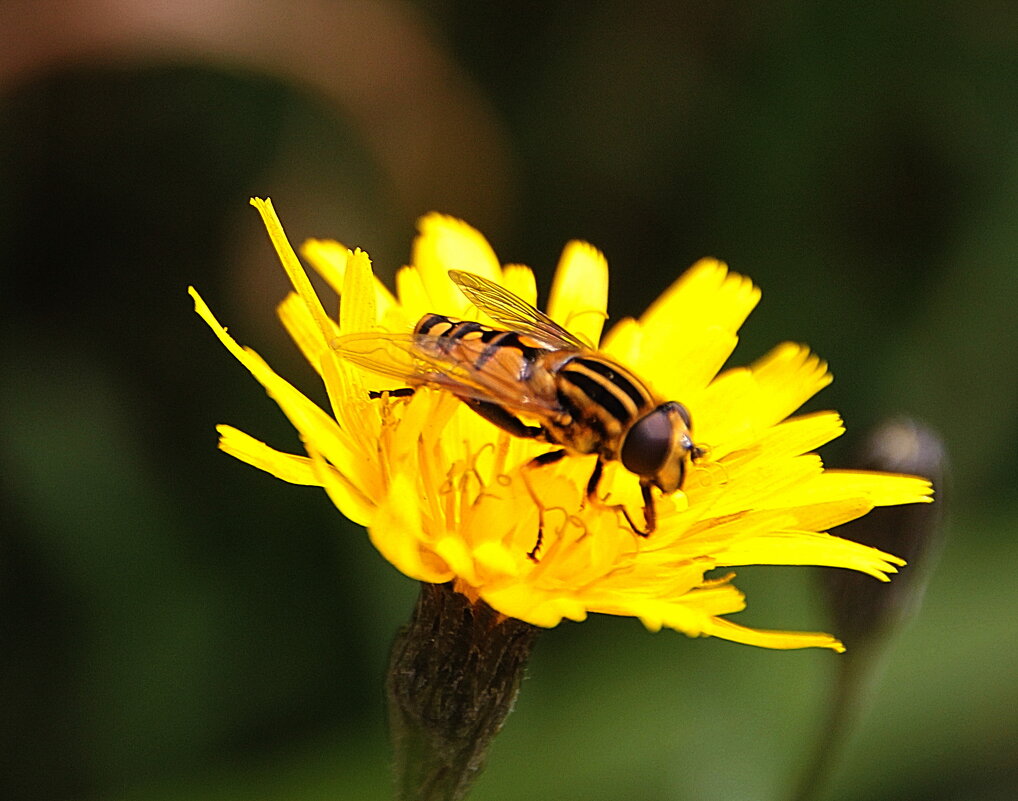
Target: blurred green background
<point>177,625</point>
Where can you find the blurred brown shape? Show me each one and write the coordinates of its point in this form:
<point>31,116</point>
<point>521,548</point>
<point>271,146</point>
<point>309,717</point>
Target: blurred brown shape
<point>427,125</point>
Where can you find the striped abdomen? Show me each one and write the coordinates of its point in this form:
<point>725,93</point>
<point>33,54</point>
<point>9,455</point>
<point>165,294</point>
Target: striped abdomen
<point>481,347</point>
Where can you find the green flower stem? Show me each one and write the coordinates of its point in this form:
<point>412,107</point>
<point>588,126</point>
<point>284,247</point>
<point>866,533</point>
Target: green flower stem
<point>453,677</point>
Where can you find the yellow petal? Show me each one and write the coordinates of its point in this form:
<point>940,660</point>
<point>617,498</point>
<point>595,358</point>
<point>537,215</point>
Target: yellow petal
<point>444,244</point>
<point>579,293</point>
<point>496,560</point>
<point>357,311</point>
<point>786,378</point>
<point>781,640</point>
<point>880,489</point>
<point>534,607</point>
<point>689,332</point>
<point>313,424</point>
<point>453,551</point>
<point>743,406</point>
<point>412,294</point>
<point>292,265</point>
<point>303,329</point>
<point>519,280</point>
<point>286,466</point>
<point>690,612</point>
<point>809,548</point>
<point>707,295</point>
<point>353,502</point>
<point>395,532</point>
<point>328,258</point>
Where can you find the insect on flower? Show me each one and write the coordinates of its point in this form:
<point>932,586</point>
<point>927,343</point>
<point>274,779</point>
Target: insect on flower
<point>582,400</point>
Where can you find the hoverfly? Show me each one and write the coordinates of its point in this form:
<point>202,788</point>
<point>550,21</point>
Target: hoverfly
<point>582,400</point>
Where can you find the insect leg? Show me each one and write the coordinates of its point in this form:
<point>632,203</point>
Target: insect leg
<point>546,458</point>
<point>595,479</point>
<point>504,419</point>
<point>404,392</point>
<point>649,513</point>
<point>539,461</point>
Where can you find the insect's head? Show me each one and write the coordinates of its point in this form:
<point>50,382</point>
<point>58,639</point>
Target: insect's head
<point>657,446</point>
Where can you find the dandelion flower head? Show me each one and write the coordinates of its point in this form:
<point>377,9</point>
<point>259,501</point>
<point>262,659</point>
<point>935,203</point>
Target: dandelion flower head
<point>446,496</point>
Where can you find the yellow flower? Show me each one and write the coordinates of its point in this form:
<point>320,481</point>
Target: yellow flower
<point>445,496</point>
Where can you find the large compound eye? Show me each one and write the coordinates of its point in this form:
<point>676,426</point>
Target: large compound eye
<point>648,443</point>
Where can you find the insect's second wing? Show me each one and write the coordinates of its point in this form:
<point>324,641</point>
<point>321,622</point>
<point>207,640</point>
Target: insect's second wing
<point>390,355</point>
<point>513,312</point>
<point>423,360</point>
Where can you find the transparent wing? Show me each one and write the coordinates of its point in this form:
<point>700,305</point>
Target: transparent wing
<point>514,313</point>
<point>422,360</point>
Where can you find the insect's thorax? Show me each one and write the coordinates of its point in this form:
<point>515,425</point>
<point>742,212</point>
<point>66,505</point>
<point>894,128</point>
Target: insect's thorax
<point>601,400</point>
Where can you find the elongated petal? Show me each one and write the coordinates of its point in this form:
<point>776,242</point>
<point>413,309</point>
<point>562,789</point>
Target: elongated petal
<point>690,331</point>
<point>579,294</point>
<point>294,270</point>
<point>286,466</point>
<point>444,244</point>
<point>329,259</point>
<point>763,638</point>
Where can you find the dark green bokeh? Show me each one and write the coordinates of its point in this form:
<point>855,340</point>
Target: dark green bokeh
<point>177,625</point>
